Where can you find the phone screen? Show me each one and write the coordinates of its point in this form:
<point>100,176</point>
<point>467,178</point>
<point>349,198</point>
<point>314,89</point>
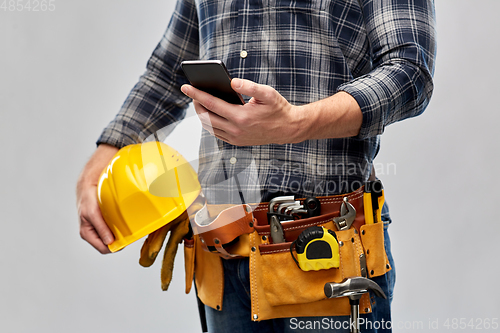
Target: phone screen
<point>212,77</point>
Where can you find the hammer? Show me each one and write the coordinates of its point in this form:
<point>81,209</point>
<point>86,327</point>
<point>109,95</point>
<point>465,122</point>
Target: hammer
<point>353,288</point>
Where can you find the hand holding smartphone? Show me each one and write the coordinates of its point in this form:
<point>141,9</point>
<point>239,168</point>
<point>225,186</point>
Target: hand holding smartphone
<point>211,76</point>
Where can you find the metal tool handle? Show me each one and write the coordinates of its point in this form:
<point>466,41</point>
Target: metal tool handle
<point>277,200</point>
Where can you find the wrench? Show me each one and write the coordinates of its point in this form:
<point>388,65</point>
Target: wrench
<point>279,200</point>
<point>347,215</point>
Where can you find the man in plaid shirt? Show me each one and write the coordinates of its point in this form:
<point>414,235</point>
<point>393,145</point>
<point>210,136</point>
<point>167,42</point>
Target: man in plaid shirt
<point>321,81</point>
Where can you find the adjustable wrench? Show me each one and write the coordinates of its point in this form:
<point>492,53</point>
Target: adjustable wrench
<point>347,215</point>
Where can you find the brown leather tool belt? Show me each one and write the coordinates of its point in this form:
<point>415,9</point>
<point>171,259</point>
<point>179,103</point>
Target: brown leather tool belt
<point>229,223</point>
<point>279,288</point>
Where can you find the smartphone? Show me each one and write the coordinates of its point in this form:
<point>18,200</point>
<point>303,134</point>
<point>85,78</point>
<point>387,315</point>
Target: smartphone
<point>212,77</point>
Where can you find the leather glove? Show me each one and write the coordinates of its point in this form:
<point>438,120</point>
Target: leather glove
<point>152,245</point>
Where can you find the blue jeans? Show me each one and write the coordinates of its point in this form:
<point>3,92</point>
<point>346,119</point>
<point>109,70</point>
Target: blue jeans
<point>236,316</point>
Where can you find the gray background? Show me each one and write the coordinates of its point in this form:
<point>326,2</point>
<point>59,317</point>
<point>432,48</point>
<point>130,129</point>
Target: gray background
<point>65,73</point>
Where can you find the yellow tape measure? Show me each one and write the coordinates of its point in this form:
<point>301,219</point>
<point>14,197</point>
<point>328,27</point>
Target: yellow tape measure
<point>317,248</point>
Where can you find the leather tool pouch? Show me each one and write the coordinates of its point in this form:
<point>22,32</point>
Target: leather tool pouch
<point>279,288</point>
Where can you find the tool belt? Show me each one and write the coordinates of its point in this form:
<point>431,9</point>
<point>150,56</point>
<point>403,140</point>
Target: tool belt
<point>279,287</point>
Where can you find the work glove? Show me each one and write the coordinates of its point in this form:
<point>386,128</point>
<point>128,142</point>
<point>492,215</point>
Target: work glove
<point>152,245</point>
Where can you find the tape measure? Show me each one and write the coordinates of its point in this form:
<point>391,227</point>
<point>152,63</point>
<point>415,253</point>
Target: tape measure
<point>317,248</point>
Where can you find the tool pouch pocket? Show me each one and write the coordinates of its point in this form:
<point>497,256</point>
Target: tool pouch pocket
<point>372,238</point>
<point>280,288</point>
<point>283,282</point>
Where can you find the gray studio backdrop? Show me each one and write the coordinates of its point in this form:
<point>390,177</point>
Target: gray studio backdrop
<point>64,72</point>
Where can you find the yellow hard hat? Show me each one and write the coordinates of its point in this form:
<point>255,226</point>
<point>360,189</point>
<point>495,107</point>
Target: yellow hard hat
<point>144,187</point>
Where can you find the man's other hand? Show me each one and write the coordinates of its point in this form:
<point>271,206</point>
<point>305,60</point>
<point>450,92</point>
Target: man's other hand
<point>93,229</point>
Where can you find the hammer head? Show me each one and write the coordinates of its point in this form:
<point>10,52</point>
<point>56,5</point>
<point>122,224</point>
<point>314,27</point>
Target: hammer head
<point>352,287</point>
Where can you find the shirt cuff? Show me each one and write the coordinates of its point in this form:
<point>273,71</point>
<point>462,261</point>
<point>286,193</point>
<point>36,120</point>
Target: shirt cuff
<point>370,101</point>
<point>117,138</point>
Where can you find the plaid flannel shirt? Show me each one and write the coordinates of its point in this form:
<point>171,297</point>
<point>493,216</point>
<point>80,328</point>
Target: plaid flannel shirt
<point>381,52</point>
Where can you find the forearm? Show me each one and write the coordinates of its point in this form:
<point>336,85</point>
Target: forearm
<point>337,116</point>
